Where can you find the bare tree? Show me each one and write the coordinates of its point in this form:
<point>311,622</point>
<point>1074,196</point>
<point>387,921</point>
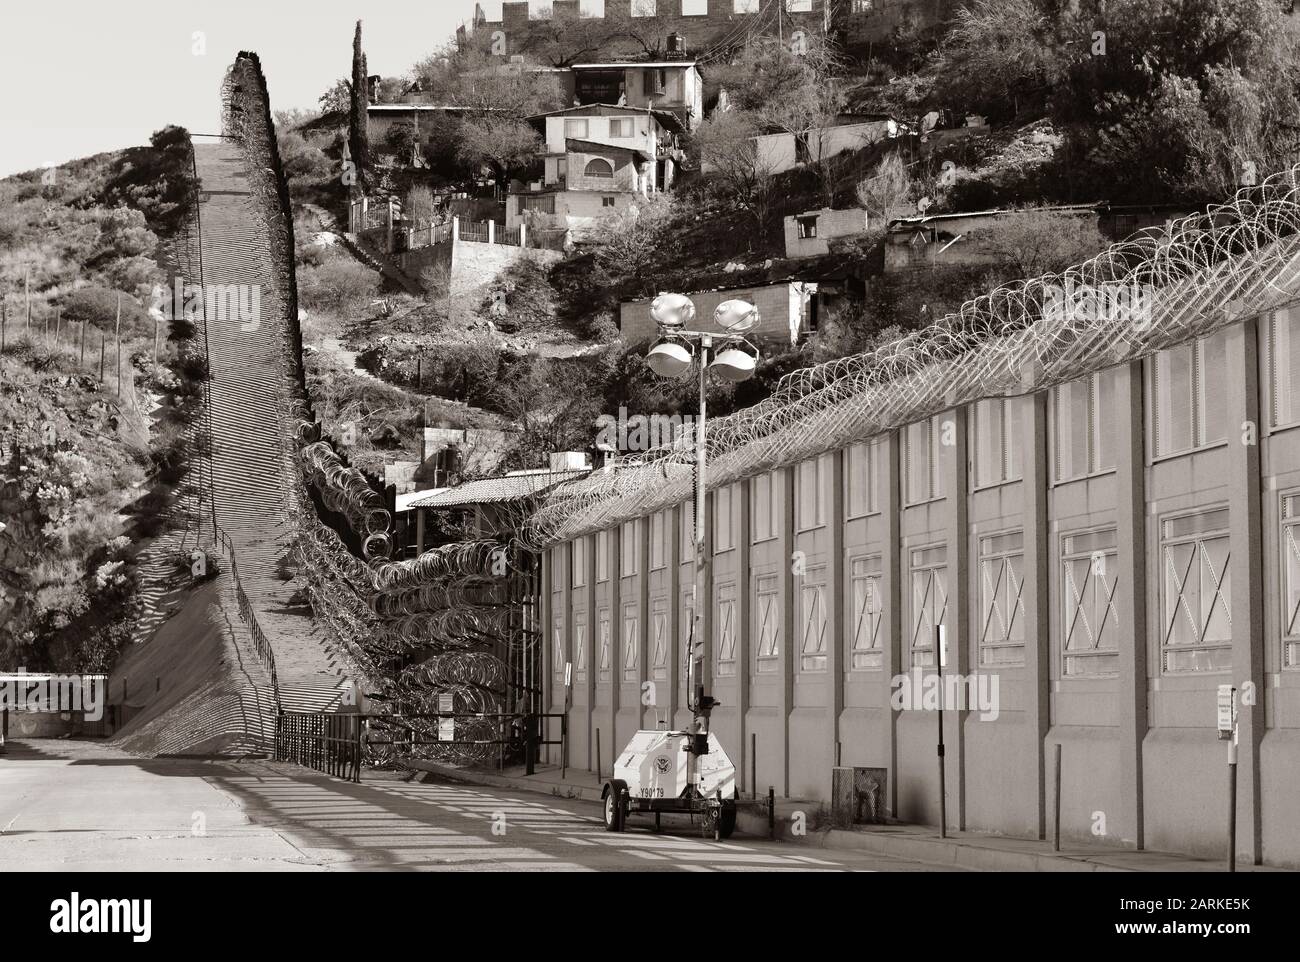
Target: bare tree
<point>797,91</point>
<point>631,244</point>
<point>728,148</point>
<point>1036,241</point>
<point>888,188</point>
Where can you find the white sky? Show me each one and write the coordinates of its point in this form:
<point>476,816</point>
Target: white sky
<point>84,76</point>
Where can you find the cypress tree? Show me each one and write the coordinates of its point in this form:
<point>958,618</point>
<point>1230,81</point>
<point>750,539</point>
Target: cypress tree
<point>358,134</point>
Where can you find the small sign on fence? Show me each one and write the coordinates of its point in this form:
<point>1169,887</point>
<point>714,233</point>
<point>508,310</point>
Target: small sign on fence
<point>446,726</point>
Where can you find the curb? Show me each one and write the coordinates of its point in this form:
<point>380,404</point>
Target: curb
<point>951,853</point>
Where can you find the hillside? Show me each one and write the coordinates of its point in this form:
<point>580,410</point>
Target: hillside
<point>97,399</point>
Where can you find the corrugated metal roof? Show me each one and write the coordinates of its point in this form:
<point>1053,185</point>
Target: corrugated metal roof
<point>496,490</point>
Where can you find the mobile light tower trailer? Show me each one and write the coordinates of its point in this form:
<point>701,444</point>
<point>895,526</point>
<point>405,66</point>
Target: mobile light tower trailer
<point>687,771</point>
<point>678,772</point>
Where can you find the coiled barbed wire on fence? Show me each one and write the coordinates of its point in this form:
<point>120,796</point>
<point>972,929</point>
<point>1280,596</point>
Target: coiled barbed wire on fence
<point>1140,296</point>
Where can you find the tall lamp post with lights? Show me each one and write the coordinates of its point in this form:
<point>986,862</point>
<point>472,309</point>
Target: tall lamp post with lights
<point>729,355</point>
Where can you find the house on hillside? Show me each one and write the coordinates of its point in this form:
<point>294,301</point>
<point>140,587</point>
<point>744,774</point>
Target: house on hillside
<point>789,312</point>
<point>599,159</point>
<point>781,151</point>
<point>932,239</point>
<point>953,238</point>
<point>810,234</point>
<point>423,119</point>
<point>667,85</point>
<point>487,507</point>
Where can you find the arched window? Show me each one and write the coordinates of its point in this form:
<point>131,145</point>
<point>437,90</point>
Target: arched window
<point>600,168</point>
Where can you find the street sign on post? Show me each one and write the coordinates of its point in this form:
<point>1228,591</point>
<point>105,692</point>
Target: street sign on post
<point>1226,716</point>
<point>1226,711</point>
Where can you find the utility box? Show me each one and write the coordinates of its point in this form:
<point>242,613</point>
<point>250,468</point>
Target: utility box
<point>859,796</point>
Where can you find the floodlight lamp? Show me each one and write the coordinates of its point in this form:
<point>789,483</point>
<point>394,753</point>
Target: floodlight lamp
<point>670,358</point>
<point>672,311</point>
<point>736,316</point>
<point>733,364</point>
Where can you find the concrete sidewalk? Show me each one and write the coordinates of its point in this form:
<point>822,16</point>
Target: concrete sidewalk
<point>960,850</point>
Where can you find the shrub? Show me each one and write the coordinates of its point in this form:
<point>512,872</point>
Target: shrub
<point>339,285</point>
<point>99,305</point>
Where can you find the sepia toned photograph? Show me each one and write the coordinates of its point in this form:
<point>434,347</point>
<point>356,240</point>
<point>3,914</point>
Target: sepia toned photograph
<point>681,436</point>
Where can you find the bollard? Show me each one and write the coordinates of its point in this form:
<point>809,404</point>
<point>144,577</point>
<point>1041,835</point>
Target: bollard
<point>771,813</point>
<point>1232,799</point>
<point>753,764</point>
<point>1056,818</point>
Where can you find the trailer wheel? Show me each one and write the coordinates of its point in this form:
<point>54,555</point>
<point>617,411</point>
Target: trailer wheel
<point>726,820</point>
<point>615,806</point>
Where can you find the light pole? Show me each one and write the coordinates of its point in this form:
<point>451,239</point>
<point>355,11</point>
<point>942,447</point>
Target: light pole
<point>733,358</point>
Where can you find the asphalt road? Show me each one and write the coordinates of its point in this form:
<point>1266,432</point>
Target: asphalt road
<point>71,805</point>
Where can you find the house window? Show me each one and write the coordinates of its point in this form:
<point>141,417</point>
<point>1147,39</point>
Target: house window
<point>746,6</point>
<point>558,558</point>
<point>763,508</point>
<point>810,498</point>
<point>1083,413</point>
<point>812,619</point>
<point>557,647</point>
<point>602,555</point>
<point>1002,614</point>
<point>644,8</point>
<point>1282,367</point>
<point>865,590</point>
<point>630,548</point>
<point>1291,587</point>
<point>1196,593</point>
<point>798,6</point>
<point>540,203</point>
<point>631,643</point>
<point>576,129</point>
<point>658,534</point>
<point>807,227</point>
<point>998,441</point>
<point>580,644</point>
<point>725,628</point>
<point>656,81</point>
<point>607,201</point>
<point>922,443</point>
<point>579,562</point>
<point>602,620</point>
<point>659,643</point>
<point>723,523</point>
<point>862,6</point>
<point>1186,389</point>
<point>1090,582</point>
<point>621,128</point>
<point>929,569</point>
<point>860,466</point>
<point>600,169</point>
<point>767,617</point>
